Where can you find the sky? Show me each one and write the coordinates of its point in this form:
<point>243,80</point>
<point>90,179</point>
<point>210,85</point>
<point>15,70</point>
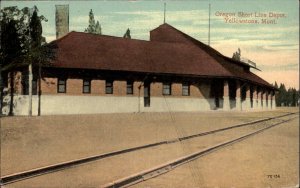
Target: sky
<point>266,31</point>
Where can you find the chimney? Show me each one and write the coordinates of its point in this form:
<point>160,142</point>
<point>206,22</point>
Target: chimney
<point>62,20</point>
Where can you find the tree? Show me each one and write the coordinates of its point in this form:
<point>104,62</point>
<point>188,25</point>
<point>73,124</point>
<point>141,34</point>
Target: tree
<point>289,97</point>
<point>98,28</point>
<point>237,55</point>
<point>282,95</point>
<point>286,97</point>
<point>32,49</point>
<point>276,85</point>
<point>38,53</point>
<point>298,98</point>
<point>127,34</point>
<point>294,97</point>
<point>35,43</point>
<point>93,26</point>
<point>35,29</point>
<point>10,50</point>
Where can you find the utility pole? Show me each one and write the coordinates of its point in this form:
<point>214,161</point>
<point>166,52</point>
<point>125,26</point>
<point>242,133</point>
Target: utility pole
<point>164,12</point>
<point>209,25</point>
<point>30,88</point>
<point>40,89</point>
<point>30,73</point>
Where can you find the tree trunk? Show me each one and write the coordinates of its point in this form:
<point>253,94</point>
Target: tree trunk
<point>30,89</point>
<point>40,89</point>
<point>1,90</point>
<point>11,105</point>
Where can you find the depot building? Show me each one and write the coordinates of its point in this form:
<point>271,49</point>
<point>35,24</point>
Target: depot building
<point>172,72</point>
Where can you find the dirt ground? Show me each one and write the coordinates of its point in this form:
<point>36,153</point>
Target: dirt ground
<point>269,159</point>
<point>28,143</point>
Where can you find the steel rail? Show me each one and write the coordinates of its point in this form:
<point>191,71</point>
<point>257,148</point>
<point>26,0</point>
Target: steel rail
<point>11,178</point>
<point>169,166</point>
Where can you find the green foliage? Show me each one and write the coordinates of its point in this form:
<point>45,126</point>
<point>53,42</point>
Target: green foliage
<point>10,42</point>
<point>286,97</point>
<point>93,26</point>
<point>237,55</point>
<point>21,37</point>
<point>276,85</point>
<point>22,44</point>
<point>98,28</point>
<point>22,20</point>
<point>127,34</point>
<point>35,29</point>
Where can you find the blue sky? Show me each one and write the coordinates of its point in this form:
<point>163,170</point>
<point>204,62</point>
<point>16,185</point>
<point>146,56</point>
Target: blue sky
<point>273,47</point>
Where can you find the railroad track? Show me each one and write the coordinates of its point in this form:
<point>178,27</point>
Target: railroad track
<point>8,179</point>
<point>169,166</point>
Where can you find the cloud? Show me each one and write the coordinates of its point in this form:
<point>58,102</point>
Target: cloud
<point>256,45</point>
<point>282,60</point>
<point>79,19</point>
<point>265,39</point>
<point>281,47</point>
<point>84,19</point>
<point>141,22</point>
<point>274,48</point>
<point>50,38</point>
<point>282,67</point>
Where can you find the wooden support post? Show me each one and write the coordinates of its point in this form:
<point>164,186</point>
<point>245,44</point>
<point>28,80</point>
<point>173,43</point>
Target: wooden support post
<point>238,103</point>
<point>226,102</point>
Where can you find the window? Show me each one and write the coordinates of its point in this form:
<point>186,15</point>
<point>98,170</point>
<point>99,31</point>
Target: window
<point>61,85</point>
<point>166,88</point>
<point>129,90</point>
<point>109,87</point>
<point>185,89</point>
<point>86,86</point>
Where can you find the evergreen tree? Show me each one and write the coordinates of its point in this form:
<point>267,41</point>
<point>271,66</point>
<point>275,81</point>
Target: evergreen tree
<point>287,97</point>
<point>39,54</point>
<point>237,55</point>
<point>10,50</point>
<point>36,42</point>
<point>98,29</point>
<point>26,39</point>
<point>294,97</point>
<point>275,85</point>
<point>127,34</point>
<point>10,42</point>
<point>93,26</point>
<point>298,97</point>
<point>281,96</point>
<point>36,30</point>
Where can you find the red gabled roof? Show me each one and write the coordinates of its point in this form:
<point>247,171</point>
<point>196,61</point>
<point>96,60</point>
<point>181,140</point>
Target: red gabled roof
<point>167,33</point>
<point>186,56</point>
<point>83,50</point>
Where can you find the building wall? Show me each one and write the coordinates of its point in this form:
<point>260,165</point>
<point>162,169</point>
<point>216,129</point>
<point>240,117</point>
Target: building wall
<point>74,101</point>
<point>49,86</point>
<point>119,88</point>
<point>98,87</point>
<point>17,81</point>
<point>73,104</point>
<point>75,87</point>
